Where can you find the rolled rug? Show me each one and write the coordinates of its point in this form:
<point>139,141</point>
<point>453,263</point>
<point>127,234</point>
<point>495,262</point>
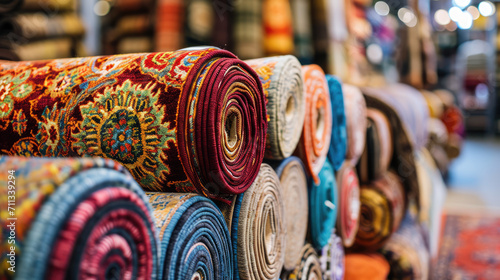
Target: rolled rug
<point>194,238</point>
<point>349,204</point>
<point>169,25</point>
<point>74,218</point>
<point>153,113</point>
<point>323,203</point>
<point>366,266</point>
<point>355,112</point>
<point>407,253</point>
<point>338,143</point>
<point>281,78</point>
<point>309,267</point>
<point>377,154</point>
<point>332,259</point>
<point>257,222</point>
<point>293,182</point>
<point>382,209</point>
<point>316,134</point>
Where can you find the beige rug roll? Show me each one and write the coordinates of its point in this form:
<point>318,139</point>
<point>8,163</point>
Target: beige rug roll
<point>309,267</point>
<point>257,224</point>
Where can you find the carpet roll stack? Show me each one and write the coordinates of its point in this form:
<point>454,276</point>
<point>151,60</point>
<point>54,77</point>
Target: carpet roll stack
<point>185,121</point>
<point>194,239</point>
<point>75,218</point>
<point>309,267</point>
<point>382,209</point>
<point>316,134</point>
<point>377,155</point>
<point>258,228</point>
<point>355,111</point>
<point>293,182</point>
<point>332,259</point>
<point>281,77</point>
<point>349,204</point>
<point>338,143</point>
<point>323,203</point>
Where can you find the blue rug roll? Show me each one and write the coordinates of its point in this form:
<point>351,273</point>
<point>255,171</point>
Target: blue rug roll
<point>338,144</point>
<point>194,238</point>
<point>323,202</point>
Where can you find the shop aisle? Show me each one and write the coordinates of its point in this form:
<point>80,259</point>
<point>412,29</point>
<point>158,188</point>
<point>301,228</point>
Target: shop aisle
<point>474,179</point>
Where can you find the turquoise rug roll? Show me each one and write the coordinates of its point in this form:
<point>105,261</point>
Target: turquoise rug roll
<point>194,238</point>
<point>323,201</point>
<point>338,144</point>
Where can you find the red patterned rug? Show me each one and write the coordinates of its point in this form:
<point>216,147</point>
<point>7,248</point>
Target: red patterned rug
<point>470,248</point>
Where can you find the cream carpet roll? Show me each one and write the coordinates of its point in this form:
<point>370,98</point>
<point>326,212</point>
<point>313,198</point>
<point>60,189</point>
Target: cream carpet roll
<point>294,185</point>
<point>257,223</point>
<point>309,267</point>
<point>281,78</point>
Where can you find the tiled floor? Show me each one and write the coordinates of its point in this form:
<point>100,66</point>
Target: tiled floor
<point>474,182</point>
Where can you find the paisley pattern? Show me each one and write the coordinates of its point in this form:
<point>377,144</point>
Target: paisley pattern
<point>151,113</point>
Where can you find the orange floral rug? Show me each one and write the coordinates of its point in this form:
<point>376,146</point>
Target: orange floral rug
<point>470,248</point>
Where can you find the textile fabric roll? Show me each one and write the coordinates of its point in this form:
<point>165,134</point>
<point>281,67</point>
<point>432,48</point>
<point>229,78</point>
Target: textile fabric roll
<point>316,134</point>
<point>332,259</point>
<point>366,266</point>
<point>355,111</point>
<point>293,182</point>
<point>309,267</point>
<point>377,155</point>
<point>7,6</point>
<point>194,238</point>
<point>248,32</point>
<point>153,113</point>
<point>338,143</point>
<point>323,203</point>
<point>74,218</point>
<point>407,253</point>
<point>278,27</point>
<point>382,209</point>
<point>349,204</point>
<point>257,223</point>
<point>281,77</point>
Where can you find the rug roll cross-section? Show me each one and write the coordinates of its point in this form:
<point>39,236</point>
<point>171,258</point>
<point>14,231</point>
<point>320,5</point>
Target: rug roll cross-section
<point>75,218</point>
<point>192,120</point>
<point>293,182</point>
<point>309,267</point>
<point>316,134</point>
<point>355,111</point>
<point>257,223</point>
<point>332,259</point>
<point>194,238</point>
<point>382,209</point>
<point>283,85</point>
<point>349,204</point>
<point>323,204</point>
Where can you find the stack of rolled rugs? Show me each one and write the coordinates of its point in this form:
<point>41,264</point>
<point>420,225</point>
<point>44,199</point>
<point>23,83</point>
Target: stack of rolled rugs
<point>190,164</point>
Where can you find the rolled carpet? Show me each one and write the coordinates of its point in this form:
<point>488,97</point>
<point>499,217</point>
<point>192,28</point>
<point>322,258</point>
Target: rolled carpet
<point>309,267</point>
<point>194,238</point>
<point>355,111</point>
<point>382,209</point>
<point>316,134</point>
<point>257,223</point>
<point>349,204</point>
<point>278,27</point>
<point>74,218</point>
<point>281,78</point>
<point>366,266</point>
<point>293,182</point>
<point>153,113</point>
<point>377,154</point>
<point>323,203</point>
<point>338,143</point>
<point>332,259</point>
